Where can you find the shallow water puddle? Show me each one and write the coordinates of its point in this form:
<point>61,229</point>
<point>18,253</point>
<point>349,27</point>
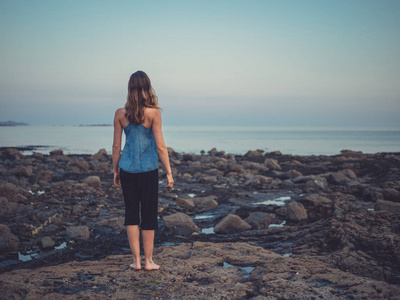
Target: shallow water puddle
<point>191,195</point>
<point>246,270</point>
<point>209,230</point>
<point>280,201</point>
<point>27,257</point>
<point>277,225</point>
<point>202,217</point>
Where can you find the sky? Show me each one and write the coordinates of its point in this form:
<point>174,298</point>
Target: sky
<point>331,63</point>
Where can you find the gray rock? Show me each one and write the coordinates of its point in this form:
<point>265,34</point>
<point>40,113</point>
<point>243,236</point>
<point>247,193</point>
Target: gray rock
<point>231,224</point>
<point>296,212</point>
<point>93,181</point>
<point>78,232</point>
<point>208,179</point>
<point>47,242</point>
<point>180,223</point>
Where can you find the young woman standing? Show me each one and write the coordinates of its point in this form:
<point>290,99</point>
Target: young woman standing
<point>136,169</point>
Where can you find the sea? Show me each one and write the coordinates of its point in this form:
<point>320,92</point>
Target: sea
<point>194,139</point>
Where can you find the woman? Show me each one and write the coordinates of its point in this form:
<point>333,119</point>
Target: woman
<point>136,169</point>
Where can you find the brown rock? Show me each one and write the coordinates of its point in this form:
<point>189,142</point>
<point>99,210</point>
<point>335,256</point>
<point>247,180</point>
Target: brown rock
<point>12,193</point>
<point>22,171</point>
<point>258,220</point>
<point>231,224</point>
<point>317,207</point>
<point>45,176</point>
<point>272,164</point>
<point>296,212</point>
<point>116,223</point>
<point>185,203</point>
<point>352,154</point>
<point>93,181</point>
<point>9,243</point>
<point>392,207</point>
<point>257,153</point>
<point>180,223</point>
<point>57,152</point>
<point>101,155</point>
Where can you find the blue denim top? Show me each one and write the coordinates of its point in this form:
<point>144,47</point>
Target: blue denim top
<point>140,151</point>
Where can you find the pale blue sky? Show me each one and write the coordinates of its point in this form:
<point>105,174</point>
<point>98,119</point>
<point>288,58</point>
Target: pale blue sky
<point>261,63</point>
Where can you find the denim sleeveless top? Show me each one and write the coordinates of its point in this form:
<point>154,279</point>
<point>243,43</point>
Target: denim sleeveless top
<point>140,151</point>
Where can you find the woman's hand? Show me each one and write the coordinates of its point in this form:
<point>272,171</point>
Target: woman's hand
<point>170,181</point>
<point>117,180</point>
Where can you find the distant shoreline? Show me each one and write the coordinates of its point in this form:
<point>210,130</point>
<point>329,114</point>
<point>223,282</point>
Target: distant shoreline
<point>12,123</point>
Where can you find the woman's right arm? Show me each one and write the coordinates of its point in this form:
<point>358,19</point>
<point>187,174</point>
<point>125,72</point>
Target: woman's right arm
<point>116,150</point>
<point>161,148</point>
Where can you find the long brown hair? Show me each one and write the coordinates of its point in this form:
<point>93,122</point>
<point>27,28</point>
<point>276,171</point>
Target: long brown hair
<point>140,95</point>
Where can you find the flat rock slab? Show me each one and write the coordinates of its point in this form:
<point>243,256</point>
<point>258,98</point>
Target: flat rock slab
<point>195,271</point>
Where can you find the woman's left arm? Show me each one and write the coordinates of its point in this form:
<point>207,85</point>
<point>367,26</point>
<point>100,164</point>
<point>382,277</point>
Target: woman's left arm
<point>116,150</point>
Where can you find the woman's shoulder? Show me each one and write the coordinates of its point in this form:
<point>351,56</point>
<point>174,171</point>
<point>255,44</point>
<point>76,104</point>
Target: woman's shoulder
<point>151,112</point>
<point>120,112</point>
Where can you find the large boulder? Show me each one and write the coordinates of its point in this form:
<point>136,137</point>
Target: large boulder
<point>180,223</point>
<point>231,224</point>
<point>257,153</point>
<point>296,212</point>
<point>317,207</point>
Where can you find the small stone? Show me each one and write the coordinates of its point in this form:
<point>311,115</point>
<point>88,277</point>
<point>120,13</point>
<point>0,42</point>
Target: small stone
<point>208,179</point>
<point>57,152</point>
<point>78,232</point>
<point>185,203</point>
<point>45,176</point>
<point>296,212</point>
<point>272,164</point>
<point>47,242</point>
<point>93,181</point>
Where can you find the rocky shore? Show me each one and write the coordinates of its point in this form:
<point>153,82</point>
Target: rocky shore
<point>253,226</point>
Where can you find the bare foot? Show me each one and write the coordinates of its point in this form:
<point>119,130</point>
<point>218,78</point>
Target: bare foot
<point>136,266</point>
<point>150,265</point>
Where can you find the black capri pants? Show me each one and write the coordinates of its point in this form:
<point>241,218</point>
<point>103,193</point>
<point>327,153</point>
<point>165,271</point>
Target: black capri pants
<point>141,198</point>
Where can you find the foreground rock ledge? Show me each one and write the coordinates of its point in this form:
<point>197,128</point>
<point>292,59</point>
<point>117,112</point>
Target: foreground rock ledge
<point>195,271</point>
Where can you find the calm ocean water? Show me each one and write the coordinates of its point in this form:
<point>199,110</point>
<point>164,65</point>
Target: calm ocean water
<point>192,139</point>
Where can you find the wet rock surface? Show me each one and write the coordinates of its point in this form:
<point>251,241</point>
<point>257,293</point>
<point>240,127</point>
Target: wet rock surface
<point>295,227</point>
